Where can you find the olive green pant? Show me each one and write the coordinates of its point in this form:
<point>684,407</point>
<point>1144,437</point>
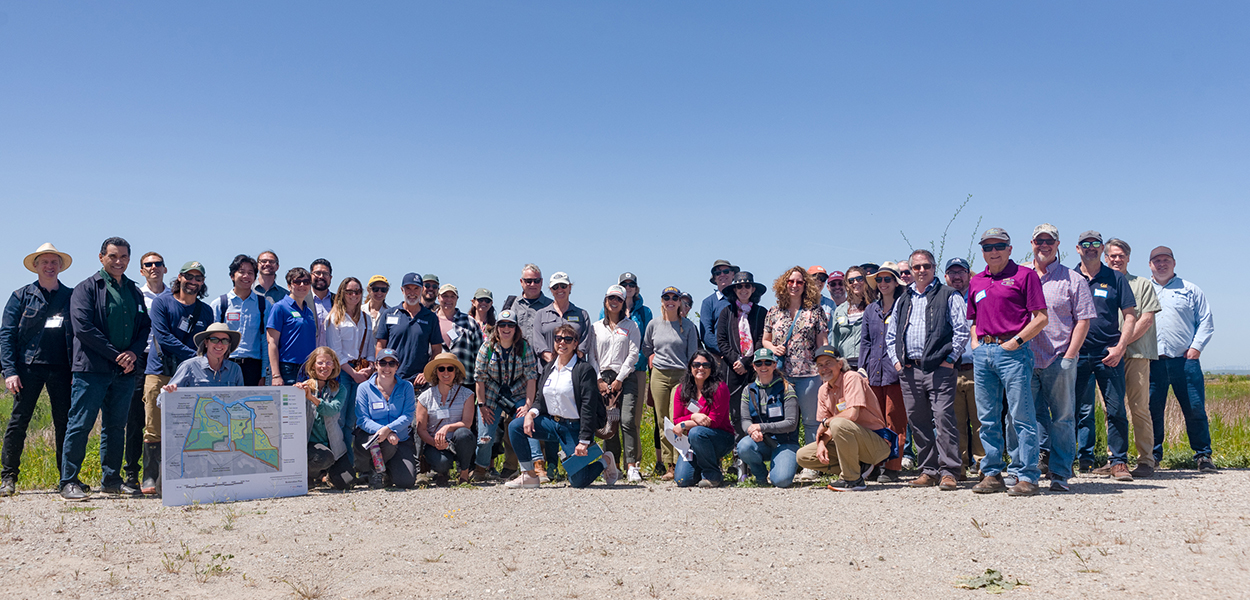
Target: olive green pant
<point>850,445</point>
<point>663,383</point>
<point>152,385</point>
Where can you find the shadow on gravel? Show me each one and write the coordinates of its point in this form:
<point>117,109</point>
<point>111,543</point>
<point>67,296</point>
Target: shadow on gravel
<point>1110,487</point>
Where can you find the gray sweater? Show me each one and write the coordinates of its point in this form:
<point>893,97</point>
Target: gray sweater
<point>672,343</point>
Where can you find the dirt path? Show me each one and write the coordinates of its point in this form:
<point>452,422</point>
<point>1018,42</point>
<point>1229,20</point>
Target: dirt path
<point>1179,534</point>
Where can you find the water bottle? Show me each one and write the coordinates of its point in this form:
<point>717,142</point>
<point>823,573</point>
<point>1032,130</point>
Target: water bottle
<point>375,452</point>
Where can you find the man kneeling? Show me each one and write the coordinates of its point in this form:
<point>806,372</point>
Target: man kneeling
<point>849,415</point>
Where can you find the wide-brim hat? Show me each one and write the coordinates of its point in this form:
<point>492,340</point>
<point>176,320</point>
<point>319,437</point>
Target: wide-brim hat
<point>47,248</point>
<point>443,358</point>
<point>718,264</point>
<point>891,267</point>
<point>235,337</point>
<point>747,277</point>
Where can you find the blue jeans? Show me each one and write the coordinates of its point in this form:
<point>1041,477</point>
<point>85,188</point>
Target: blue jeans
<point>806,389</point>
<point>1054,393</point>
<point>994,372</point>
<point>1185,378</point>
<point>783,457</point>
<point>1091,371</point>
<point>486,435</point>
<point>459,450</point>
<point>90,395</point>
<point>709,446</point>
<point>564,432</point>
<point>293,373</point>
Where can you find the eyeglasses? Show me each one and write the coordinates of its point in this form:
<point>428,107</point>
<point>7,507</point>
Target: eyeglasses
<point>886,279</point>
<point>670,298</point>
<point>218,340</point>
<point>922,267</point>
<point>377,288</point>
<point>352,292</point>
<point>856,279</point>
<point>630,284</point>
<point>701,365</point>
<point>505,325</point>
<point>764,363</point>
<point>565,339</point>
<point>719,272</point>
<point>302,282</point>
<point>793,282</point>
<point>1091,244</point>
<point>994,247</point>
<point>560,286</point>
<point>446,369</point>
<point>1045,241</point>
<point>154,264</point>
<point>531,280</point>
<point>195,278</point>
<point>388,363</point>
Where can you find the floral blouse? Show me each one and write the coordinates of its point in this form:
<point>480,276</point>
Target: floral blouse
<point>801,344</point>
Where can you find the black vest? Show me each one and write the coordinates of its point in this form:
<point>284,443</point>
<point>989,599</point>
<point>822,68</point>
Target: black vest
<point>939,335</point>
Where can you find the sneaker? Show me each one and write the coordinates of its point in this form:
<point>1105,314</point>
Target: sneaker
<point>8,487</point>
<point>842,485</point>
<point>73,492</point>
<point>1206,465</point>
<point>1023,488</point>
<point>744,472</point>
<point>909,463</point>
<point>1059,486</point>
<point>632,475</point>
<point>1043,462</point>
<point>121,489</point>
<point>889,476</point>
<point>925,480</point>
<point>1142,471</point>
<point>377,480</point>
<point>1119,472</point>
<point>1105,470</point>
<point>990,484</point>
<point>948,484</point>
<point>807,476</point>
<point>708,483</point>
<point>867,471</point>
<point>523,481</point>
<point>610,472</point>
<point>1010,480</point>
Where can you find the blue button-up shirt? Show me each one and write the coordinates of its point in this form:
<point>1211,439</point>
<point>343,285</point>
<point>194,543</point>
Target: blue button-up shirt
<point>1185,321</point>
<point>375,411</point>
<point>196,372</point>
<point>916,330</point>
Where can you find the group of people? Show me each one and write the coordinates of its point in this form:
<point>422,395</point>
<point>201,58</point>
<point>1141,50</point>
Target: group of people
<point>987,375</point>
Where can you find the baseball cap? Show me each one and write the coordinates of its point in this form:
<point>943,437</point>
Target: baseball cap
<point>377,278</point>
<point>995,233</point>
<point>388,353</point>
<point>827,350</point>
<point>764,354</point>
<point>671,290</point>
<point>627,276</point>
<point>412,279</point>
<point>615,290</point>
<point>817,270</point>
<point>1089,235</point>
<point>447,287</point>
<point>959,262</point>
<point>506,315</point>
<point>1161,250</point>
<point>559,277</point>
<point>483,293</point>
<point>430,277</point>
<point>1046,228</point>
<point>192,265</point>
<point>837,275</point>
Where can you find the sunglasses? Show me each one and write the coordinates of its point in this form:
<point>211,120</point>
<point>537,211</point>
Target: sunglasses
<point>836,283</point>
<point>614,300</point>
<point>218,340</point>
<point>886,279</point>
<point>856,279</point>
<point>745,286</point>
<point>905,272</point>
<point>560,286</point>
<point>352,292</point>
<point>629,284</point>
<point>994,247</point>
<point>764,363</point>
<point>154,264</point>
<point>565,339</point>
<point>430,284</point>
<point>389,363</point>
<point>302,282</point>
<point>446,369</point>
<point>822,278</point>
<point>531,280</point>
<point>922,267</point>
<point>1045,242</point>
<point>719,272</point>
<point>701,365</point>
<point>505,325</point>
<point>195,278</point>
<point>1090,244</point>
<point>378,288</point>
<point>484,301</point>
<point>670,298</point>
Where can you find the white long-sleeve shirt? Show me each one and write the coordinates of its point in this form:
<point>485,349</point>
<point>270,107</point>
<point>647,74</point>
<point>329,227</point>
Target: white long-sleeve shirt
<point>344,339</point>
<point>616,348</point>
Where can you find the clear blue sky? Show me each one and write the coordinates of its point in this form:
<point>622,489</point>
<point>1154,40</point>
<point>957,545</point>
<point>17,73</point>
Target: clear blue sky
<point>466,138</point>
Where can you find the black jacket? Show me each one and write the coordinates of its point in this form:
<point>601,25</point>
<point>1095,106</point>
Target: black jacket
<point>727,333</point>
<point>93,353</point>
<point>24,318</point>
<point>585,393</point>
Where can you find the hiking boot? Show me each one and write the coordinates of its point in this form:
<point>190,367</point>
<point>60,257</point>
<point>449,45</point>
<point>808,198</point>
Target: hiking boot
<point>1023,488</point>
<point>1104,470</point>
<point>377,480</point>
<point>925,480</point>
<point>990,484</point>
<point>1043,462</point>
<point>1119,472</point>
<point>151,468</point>
<point>842,485</point>
<point>8,487</point>
<point>1142,470</point>
<point>540,466</point>
<point>1206,465</point>
<point>948,484</point>
<point>73,492</point>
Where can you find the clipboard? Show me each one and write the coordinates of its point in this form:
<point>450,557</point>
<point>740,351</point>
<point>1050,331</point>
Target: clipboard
<point>575,463</point>
<point>681,444</point>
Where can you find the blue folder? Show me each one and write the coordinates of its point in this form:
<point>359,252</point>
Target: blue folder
<point>575,463</point>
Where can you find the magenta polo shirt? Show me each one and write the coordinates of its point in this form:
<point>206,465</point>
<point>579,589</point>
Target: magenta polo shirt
<point>1001,305</point>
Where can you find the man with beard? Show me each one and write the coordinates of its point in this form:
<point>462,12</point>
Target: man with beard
<point>412,331</point>
<point>323,298</point>
<point>267,266</point>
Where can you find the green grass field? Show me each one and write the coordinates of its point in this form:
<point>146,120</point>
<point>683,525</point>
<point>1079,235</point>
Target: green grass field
<point>1228,407</point>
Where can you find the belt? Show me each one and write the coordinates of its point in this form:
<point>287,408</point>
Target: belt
<point>964,366</point>
<point>911,362</point>
<point>989,339</point>
<point>563,419</point>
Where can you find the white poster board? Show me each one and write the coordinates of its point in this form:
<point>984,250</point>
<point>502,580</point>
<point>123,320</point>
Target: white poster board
<point>221,444</point>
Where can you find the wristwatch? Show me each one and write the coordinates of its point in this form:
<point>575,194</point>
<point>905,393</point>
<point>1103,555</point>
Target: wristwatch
<point>1019,340</point>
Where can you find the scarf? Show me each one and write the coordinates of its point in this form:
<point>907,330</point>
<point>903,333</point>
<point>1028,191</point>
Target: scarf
<point>744,329</point>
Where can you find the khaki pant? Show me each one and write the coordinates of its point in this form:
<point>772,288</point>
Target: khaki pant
<point>663,382</point>
<point>851,444</point>
<point>152,385</point>
<point>966,420</point>
<point>1137,400</point>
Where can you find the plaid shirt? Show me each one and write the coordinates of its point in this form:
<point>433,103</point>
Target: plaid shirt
<point>466,345</point>
<point>495,373</point>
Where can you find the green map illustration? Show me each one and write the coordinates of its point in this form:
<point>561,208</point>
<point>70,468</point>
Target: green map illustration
<point>231,436</point>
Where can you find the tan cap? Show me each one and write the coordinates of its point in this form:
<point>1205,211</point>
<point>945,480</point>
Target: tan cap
<point>1046,228</point>
<point>1160,251</point>
<point>447,287</point>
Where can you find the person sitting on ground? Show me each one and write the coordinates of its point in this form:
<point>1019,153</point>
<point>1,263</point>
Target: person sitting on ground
<point>770,418</point>
<point>701,411</point>
<point>847,440</point>
<point>384,410</point>
<point>326,395</point>
<point>445,412</point>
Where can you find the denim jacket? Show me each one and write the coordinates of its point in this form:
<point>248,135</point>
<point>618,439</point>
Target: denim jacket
<point>24,318</point>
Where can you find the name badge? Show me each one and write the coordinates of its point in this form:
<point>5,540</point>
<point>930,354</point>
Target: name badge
<point>452,336</point>
<point>442,413</point>
<point>774,411</point>
<point>574,319</point>
<point>378,404</point>
<point>233,316</point>
<point>392,320</point>
<point>841,320</point>
<point>980,296</point>
<point>54,322</point>
<point>841,406</point>
<point>692,407</point>
<point>295,314</point>
<point>1100,293</point>
<point>185,324</point>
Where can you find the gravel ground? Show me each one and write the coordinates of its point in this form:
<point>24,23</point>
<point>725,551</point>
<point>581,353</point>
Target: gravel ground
<point>1178,534</point>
